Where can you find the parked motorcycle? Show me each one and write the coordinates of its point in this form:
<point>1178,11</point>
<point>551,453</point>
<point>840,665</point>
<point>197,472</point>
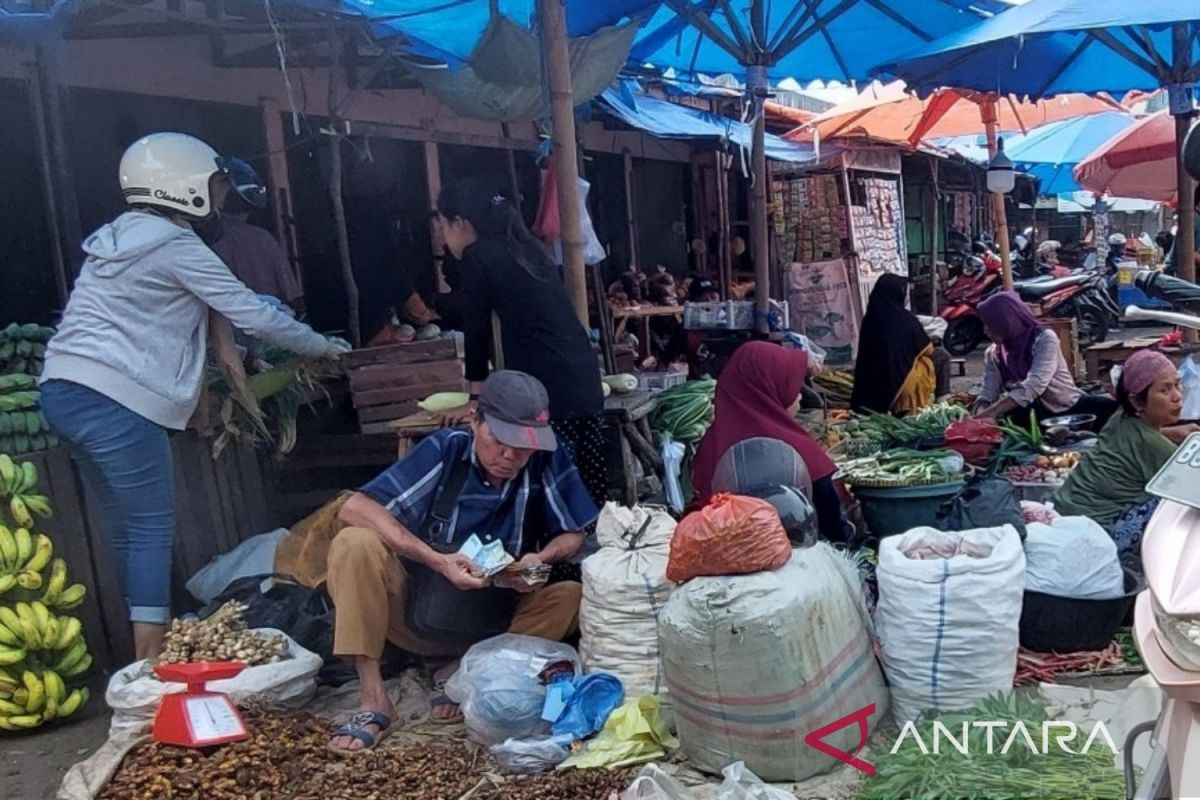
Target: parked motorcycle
<point>1166,625</point>
<point>961,297</point>
<point>1082,295</point>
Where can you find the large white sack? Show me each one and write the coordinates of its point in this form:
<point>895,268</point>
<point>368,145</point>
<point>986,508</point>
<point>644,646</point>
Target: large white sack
<point>948,615</point>
<point>134,691</point>
<point>1072,557</point>
<point>755,663</point>
<point>624,586</point>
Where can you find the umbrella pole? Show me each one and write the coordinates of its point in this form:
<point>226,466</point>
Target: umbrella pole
<point>552,16</point>
<point>1185,242</point>
<point>987,110</point>
<point>756,88</point>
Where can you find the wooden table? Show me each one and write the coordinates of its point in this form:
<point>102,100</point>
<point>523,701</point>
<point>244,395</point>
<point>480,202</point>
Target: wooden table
<point>627,414</point>
<point>623,314</point>
<point>1108,354</point>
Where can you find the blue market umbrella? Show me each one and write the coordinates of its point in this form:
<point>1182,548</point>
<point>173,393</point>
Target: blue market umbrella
<point>1050,152</point>
<point>1047,47</point>
<point>814,39</point>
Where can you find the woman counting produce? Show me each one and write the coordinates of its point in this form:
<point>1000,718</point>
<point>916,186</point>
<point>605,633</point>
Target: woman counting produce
<point>758,395</point>
<point>1024,370</point>
<point>127,363</point>
<point>894,372</point>
<point>1109,485</point>
<point>506,271</point>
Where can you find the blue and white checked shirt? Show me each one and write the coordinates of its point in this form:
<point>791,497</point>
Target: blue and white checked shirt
<point>546,499</point>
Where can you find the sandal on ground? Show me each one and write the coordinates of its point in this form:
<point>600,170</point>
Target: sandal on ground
<point>440,700</point>
<point>356,727</point>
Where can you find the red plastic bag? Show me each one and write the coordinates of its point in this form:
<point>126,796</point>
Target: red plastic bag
<point>974,439</point>
<point>732,535</point>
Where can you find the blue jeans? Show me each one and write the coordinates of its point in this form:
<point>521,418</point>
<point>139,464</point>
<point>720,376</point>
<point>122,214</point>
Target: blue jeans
<point>126,461</point>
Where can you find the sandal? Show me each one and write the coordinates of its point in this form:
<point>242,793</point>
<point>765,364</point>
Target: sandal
<point>440,700</point>
<point>356,728</point>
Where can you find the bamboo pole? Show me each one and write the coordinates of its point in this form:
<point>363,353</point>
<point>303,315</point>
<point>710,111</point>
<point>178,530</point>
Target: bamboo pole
<point>987,110</point>
<point>630,208</point>
<point>933,276</point>
<point>1181,109</point>
<point>756,87</point>
<point>552,15</point>
<point>353,331</point>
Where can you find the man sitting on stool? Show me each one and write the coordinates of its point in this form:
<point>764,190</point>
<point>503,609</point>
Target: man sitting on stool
<point>502,479</point>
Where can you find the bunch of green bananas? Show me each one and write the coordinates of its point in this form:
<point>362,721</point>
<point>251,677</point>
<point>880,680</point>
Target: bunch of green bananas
<point>32,632</point>
<point>28,699</point>
<point>23,349</point>
<point>23,556</point>
<point>23,427</point>
<point>16,481</point>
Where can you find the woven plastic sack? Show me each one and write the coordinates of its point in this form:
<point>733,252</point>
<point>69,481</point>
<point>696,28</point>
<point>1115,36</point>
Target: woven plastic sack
<point>732,535</point>
<point>624,585</point>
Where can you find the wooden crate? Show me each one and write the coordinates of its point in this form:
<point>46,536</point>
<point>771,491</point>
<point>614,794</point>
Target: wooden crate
<point>387,382</point>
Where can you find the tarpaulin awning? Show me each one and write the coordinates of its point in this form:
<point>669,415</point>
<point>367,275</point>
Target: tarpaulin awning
<point>667,120</point>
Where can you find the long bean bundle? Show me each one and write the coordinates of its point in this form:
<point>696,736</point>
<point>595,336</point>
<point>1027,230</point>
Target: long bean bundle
<point>683,413</point>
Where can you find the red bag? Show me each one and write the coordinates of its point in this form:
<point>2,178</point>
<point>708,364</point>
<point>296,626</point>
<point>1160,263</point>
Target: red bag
<point>974,439</point>
<point>732,535</point>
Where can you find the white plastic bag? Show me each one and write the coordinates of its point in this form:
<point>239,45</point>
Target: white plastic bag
<point>624,585</point>
<point>133,692</point>
<point>742,784</point>
<point>672,456</point>
<point>1072,557</point>
<point>254,556</point>
<point>531,756</point>
<point>1189,376</point>
<point>652,783</point>
<point>498,686</point>
<point>948,616</point>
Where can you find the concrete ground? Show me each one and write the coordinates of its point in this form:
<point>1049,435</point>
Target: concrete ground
<point>32,764</point>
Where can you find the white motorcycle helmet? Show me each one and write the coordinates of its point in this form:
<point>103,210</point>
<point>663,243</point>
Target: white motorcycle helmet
<point>174,171</point>
<point>1117,240</point>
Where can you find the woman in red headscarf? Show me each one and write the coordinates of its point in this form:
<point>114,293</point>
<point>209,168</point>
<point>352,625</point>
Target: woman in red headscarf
<point>758,395</point>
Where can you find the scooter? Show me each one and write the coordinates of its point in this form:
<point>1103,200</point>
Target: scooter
<point>1082,295</point>
<point>962,295</point>
<point>1166,625</point>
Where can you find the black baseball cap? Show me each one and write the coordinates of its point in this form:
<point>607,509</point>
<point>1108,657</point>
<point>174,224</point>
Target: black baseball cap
<point>517,410</point>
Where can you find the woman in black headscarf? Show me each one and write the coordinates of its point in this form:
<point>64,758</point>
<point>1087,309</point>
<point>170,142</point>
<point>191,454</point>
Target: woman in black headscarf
<point>894,372</point>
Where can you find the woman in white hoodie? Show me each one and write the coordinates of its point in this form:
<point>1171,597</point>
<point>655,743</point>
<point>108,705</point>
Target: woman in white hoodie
<point>128,360</point>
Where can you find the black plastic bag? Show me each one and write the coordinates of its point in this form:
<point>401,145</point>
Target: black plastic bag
<point>306,615</point>
<point>987,501</point>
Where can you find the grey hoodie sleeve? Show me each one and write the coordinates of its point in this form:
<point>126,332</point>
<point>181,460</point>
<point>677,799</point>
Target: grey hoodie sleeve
<point>201,272</point>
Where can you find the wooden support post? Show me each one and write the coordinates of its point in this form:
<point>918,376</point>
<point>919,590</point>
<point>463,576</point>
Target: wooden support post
<point>353,330</point>
<point>280,182</point>
<point>433,182</point>
<point>724,223</point>
<point>987,110</point>
<point>630,208</point>
<point>510,164</point>
<point>553,31</point>
<point>756,87</point>
<point>62,204</point>
<point>937,204</point>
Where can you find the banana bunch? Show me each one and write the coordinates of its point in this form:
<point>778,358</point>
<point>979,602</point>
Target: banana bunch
<point>23,349</point>
<point>23,556</point>
<point>28,699</point>
<point>17,481</point>
<point>31,631</point>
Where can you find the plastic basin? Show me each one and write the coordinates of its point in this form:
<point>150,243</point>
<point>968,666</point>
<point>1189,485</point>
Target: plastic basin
<point>890,511</point>
<point>1068,625</point>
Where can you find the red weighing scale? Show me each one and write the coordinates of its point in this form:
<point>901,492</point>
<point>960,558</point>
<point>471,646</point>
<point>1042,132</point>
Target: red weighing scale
<point>197,717</point>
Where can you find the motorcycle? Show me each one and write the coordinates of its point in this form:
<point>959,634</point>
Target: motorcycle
<point>1082,295</point>
<point>962,295</point>
<point>1166,623</point>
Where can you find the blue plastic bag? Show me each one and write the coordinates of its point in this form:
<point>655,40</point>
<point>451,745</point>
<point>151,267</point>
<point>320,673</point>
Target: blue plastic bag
<point>595,697</point>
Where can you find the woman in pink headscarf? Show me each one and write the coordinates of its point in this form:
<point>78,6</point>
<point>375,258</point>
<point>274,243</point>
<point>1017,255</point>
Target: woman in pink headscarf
<point>1024,370</point>
<point>1109,485</point>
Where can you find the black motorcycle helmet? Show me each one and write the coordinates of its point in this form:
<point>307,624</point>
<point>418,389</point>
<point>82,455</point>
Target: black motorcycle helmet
<point>771,470</point>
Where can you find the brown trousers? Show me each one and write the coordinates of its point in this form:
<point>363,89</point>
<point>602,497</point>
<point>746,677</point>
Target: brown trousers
<point>368,586</point>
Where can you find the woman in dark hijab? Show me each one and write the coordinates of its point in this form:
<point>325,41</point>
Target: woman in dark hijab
<point>894,372</point>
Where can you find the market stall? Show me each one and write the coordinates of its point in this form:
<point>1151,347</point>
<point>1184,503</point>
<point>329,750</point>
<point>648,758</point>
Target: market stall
<point>853,215</point>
